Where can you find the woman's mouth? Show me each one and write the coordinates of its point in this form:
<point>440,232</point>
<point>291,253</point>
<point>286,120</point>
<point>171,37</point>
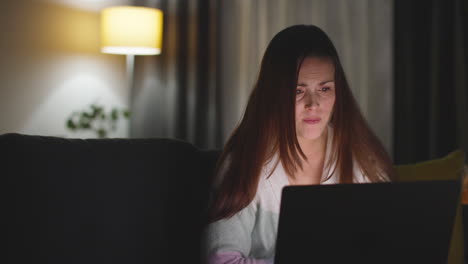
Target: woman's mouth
<point>312,120</point>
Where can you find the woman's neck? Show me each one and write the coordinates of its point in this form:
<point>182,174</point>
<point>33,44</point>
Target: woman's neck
<point>312,168</point>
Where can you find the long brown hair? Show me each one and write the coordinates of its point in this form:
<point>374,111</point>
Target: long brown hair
<point>268,125</point>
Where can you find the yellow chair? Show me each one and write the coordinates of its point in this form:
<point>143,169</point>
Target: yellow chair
<point>450,167</point>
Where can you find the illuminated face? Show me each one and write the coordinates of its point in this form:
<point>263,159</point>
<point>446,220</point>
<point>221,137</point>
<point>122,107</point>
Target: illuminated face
<point>315,97</point>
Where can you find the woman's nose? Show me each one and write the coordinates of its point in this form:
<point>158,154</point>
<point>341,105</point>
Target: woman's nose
<point>312,100</point>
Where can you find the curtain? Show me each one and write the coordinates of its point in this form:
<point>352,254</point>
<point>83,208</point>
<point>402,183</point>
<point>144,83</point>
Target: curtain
<point>197,89</point>
<point>361,31</point>
<point>431,85</point>
<point>175,93</point>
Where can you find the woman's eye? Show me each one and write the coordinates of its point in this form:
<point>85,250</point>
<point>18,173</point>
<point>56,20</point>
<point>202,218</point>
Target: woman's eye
<point>299,91</point>
<point>325,89</point>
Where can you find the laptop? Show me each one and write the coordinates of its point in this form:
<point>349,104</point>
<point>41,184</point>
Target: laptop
<point>400,223</point>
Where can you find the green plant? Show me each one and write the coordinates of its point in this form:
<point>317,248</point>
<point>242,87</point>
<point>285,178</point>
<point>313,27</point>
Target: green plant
<point>96,119</point>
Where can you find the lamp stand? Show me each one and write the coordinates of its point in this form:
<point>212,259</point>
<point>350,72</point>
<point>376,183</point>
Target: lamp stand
<point>130,59</point>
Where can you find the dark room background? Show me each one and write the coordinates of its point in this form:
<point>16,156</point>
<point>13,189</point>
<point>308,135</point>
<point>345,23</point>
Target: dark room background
<point>406,62</point>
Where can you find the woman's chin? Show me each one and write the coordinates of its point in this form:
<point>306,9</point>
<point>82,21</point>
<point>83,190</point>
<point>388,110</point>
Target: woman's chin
<point>311,135</point>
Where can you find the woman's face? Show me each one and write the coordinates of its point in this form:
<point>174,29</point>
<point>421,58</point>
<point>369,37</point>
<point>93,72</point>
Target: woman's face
<point>315,97</point>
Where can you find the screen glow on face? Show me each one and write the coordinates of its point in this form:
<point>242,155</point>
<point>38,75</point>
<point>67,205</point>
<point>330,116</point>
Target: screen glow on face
<point>315,97</point>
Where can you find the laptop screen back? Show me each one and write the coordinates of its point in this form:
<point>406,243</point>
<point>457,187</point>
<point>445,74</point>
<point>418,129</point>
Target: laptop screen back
<point>367,223</point>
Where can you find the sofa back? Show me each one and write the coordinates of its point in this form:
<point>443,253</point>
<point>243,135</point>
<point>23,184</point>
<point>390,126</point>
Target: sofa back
<point>104,200</point>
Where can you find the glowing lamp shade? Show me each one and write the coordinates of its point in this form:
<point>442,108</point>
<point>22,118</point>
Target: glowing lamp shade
<point>131,30</point>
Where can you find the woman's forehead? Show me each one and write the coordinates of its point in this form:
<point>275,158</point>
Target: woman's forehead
<point>314,67</point>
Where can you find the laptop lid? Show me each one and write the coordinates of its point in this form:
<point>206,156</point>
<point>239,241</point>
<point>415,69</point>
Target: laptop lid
<point>407,222</point>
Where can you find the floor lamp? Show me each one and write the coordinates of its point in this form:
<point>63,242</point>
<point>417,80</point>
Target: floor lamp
<point>131,30</point>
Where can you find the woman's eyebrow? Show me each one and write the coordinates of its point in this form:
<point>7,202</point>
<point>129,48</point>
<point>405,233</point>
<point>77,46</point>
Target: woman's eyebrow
<point>322,83</point>
<point>301,84</point>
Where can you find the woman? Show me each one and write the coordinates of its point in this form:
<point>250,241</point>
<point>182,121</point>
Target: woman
<point>301,126</point>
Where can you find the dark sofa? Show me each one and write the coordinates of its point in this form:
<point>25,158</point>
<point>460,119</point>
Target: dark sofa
<point>104,200</point>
